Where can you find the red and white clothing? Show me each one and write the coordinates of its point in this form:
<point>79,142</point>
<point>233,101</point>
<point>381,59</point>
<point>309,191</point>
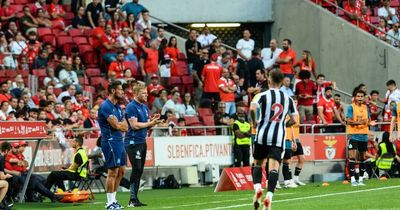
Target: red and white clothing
<point>381,33</point>
<point>151,88</point>
<point>387,117</point>
<point>353,10</point>
<point>363,25</point>
<point>118,68</point>
<point>124,42</point>
<point>227,83</point>
<point>287,68</point>
<point>109,39</point>
<point>59,21</point>
<point>373,108</point>
<point>328,107</point>
<point>211,74</point>
<point>151,62</point>
<point>321,90</point>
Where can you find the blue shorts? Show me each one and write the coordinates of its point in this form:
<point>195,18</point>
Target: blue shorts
<point>114,153</point>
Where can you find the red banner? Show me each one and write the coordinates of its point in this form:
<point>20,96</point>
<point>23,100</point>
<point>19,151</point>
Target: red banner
<point>23,130</point>
<point>237,179</point>
<point>324,147</point>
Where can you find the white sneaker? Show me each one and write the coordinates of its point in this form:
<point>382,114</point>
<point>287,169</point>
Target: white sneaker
<point>354,184</point>
<point>298,182</point>
<point>366,176</point>
<point>289,184</point>
<point>278,185</point>
<point>361,183</point>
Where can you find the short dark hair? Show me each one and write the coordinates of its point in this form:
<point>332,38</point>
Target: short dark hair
<point>113,85</point>
<point>374,92</point>
<point>5,146</point>
<point>328,88</point>
<point>276,76</point>
<point>360,91</point>
<point>159,28</point>
<point>391,82</point>
<point>256,52</point>
<point>320,75</point>
<point>338,95</point>
<point>288,41</point>
<point>181,119</point>
<point>79,139</point>
<point>304,75</point>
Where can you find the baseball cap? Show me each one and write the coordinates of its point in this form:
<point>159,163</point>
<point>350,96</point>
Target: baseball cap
<point>15,144</point>
<point>154,76</point>
<point>22,143</point>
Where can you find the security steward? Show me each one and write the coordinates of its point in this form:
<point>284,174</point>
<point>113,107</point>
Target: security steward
<point>76,171</point>
<point>241,140</point>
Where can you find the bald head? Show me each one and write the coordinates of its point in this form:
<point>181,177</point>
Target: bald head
<point>273,44</point>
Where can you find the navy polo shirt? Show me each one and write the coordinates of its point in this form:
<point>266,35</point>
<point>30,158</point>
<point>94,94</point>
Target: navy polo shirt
<point>141,113</point>
<point>107,109</point>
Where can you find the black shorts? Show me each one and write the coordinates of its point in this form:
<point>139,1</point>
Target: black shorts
<point>299,150</point>
<point>361,146</point>
<point>260,152</point>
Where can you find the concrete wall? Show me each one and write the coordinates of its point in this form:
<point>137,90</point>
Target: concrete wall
<point>198,11</point>
<point>343,52</point>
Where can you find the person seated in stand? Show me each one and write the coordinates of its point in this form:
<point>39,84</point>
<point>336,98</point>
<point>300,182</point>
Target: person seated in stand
<point>76,171</point>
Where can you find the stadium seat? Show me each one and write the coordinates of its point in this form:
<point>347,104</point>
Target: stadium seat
<point>188,84</point>
<point>394,3</point>
<point>182,68</point>
<point>87,32</point>
<point>50,38</point>
<point>69,15</point>
<point>97,81</point>
<point>191,120</point>
<point>44,31</point>
<point>67,8</point>
<point>75,32</point>
<point>20,2</point>
<point>85,48</point>
<point>173,81</point>
<point>182,56</point>
<point>67,47</point>
<point>11,73</point>
<point>17,8</point>
<point>23,73</point>
<point>57,91</point>
<point>209,121</point>
<point>204,112</point>
<point>374,20</point>
<point>133,67</point>
<point>62,40</point>
<point>93,72</point>
<point>39,72</point>
<point>80,40</point>
<point>89,89</point>
<point>83,81</point>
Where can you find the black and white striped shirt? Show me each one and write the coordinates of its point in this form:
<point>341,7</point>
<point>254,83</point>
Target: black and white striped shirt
<point>274,106</point>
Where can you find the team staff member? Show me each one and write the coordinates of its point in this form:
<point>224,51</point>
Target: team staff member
<point>137,114</point>
<point>112,125</point>
<point>77,169</point>
<point>270,137</point>
<point>242,140</point>
<point>293,148</point>
<point>357,128</point>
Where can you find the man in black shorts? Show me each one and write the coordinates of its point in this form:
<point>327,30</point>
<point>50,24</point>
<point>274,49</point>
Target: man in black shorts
<point>274,106</point>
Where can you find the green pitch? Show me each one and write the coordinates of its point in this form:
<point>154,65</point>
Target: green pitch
<point>376,195</point>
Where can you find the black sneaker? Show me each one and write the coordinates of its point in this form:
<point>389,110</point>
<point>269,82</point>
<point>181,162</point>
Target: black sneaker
<point>135,203</point>
<point>57,198</point>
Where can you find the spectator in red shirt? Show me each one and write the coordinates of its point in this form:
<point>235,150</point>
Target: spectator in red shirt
<point>366,18</point>
<point>149,61</point>
<point>306,92</point>
<point>286,59</point>
<point>41,94</point>
<point>153,89</point>
<point>116,24</point>
<point>12,162</point>
<point>353,12</point>
<point>322,84</point>
<point>4,93</point>
<point>110,46</point>
<point>118,66</point>
<point>326,111</point>
<point>7,13</point>
<point>57,15</point>
<point>210,75</point>
<point>307,63</point>
<point>374,109</point>
<point>227,90</point>
<point>173,52</point>
<point>387,116</point>
<point>98,33</point>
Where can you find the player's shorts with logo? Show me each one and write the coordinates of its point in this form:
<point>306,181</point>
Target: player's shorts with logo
<point>114,153</point>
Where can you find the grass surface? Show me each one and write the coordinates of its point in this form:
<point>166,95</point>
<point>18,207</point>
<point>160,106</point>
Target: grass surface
<point>376,195</point>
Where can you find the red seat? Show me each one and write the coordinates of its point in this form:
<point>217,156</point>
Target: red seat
<point>394,3</point>
<point>97,81</point>
<point>80,40</point>
<point>374,20</point>
<point>87,32</point>
<point>44,31</point>
<point>188,84</point>
<point>89,89</point>
<point>182,68</point>
<point>192,120</point>
<point>67,7</point>
<point>175,81</point>
<point>50,38</point>
<point>57,91</point>
<point>85,48</point>
<point>11,73</point>
<point>83,81</point>
<point>17,8</point>
<point>21,2</point>
<point>93,72</point>
<point>75,32</point>
<point>67,47</point>
<point>69,15</point>
<point>39,72</point>
<point>62,40</point>
<point>205,112</point>
<point>209,121</point>
<point>23,73</point>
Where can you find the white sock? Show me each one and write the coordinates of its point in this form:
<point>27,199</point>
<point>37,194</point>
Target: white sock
<point>269,195</point>
<point>360,179</point>
<point>353,179</point>
<point>114,197</point>
<point>257,187</point>
<point>296,178</point>
<point>110,198</point>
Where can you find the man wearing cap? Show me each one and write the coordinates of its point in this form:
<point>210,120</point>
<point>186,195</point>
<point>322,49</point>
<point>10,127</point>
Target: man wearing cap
<point>77,169</point>
<point>153,89</point>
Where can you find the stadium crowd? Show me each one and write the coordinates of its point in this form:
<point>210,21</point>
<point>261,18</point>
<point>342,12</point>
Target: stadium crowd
<point>383,14</point>
<point>80,48</point>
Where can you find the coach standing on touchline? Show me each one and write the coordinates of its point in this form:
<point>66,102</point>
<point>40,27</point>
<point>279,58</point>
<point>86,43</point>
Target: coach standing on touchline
<point>137,114</point>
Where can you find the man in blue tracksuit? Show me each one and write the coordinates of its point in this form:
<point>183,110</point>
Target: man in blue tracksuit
<point>137,114</point>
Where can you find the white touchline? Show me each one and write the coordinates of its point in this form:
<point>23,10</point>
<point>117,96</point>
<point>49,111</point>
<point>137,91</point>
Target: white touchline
<point>215,202</point>
<point>308,197</point>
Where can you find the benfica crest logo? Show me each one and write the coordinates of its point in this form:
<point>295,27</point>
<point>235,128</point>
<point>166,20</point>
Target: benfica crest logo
<point>330,151</point>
